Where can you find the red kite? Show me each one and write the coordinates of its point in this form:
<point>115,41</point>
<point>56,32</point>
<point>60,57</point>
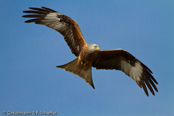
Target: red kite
<point>90,55</point>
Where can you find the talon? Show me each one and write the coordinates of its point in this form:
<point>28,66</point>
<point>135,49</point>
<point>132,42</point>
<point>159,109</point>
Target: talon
<point>81,63</point>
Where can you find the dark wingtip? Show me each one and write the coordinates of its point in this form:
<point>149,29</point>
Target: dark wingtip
<point>61,66</point>
<point>49,9</point>
<point>33,8</point>
<point>31,20</point>
<point>147,94</point>
<point>58,66</point>
<point>93,87</point>
<point>144,88</point>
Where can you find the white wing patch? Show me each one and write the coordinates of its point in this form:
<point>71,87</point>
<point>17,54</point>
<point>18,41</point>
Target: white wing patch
<point>59,22</point>
<point>135,72</point>
<point>51,20</point>
<point>53,16</point>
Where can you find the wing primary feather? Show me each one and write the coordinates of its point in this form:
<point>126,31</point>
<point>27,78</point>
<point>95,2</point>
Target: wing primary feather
<point>149,86</point>
<point>144,88</point>
<point>147,68</point>
<point>153,85</point>
<point>154,79</point>
<point>147,74</point>
<point>36,12</point>
<point>38,9</point>
<point>31,16</point>
<point>48,9</point>
<point>32,20</point>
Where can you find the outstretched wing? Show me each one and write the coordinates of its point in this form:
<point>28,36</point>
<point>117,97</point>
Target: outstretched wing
<point>59,22</point>
<point>121,60</point>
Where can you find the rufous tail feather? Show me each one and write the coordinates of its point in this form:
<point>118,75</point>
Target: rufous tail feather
<point>85,74</point>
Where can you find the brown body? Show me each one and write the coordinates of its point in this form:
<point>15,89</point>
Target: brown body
<point>86,57</point>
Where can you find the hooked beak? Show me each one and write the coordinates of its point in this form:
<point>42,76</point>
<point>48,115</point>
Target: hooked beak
<point>97,48</point>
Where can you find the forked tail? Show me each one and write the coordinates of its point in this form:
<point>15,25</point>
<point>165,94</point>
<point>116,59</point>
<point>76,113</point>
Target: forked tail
<point>85,74</point>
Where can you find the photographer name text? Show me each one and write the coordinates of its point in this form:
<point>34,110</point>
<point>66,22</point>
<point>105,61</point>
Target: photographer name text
<point>29,113</point>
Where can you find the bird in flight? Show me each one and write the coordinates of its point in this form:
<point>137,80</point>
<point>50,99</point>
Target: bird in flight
<point>90,55</point>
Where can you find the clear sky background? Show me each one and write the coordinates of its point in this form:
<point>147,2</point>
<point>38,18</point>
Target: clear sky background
<point>29,54</point>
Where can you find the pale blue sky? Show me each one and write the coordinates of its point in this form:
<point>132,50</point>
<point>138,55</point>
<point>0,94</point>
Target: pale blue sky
<point>30,53</point>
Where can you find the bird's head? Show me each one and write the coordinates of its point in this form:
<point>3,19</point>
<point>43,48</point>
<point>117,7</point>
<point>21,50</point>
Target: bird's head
<point>96,47</point>
<point>93,47</point>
